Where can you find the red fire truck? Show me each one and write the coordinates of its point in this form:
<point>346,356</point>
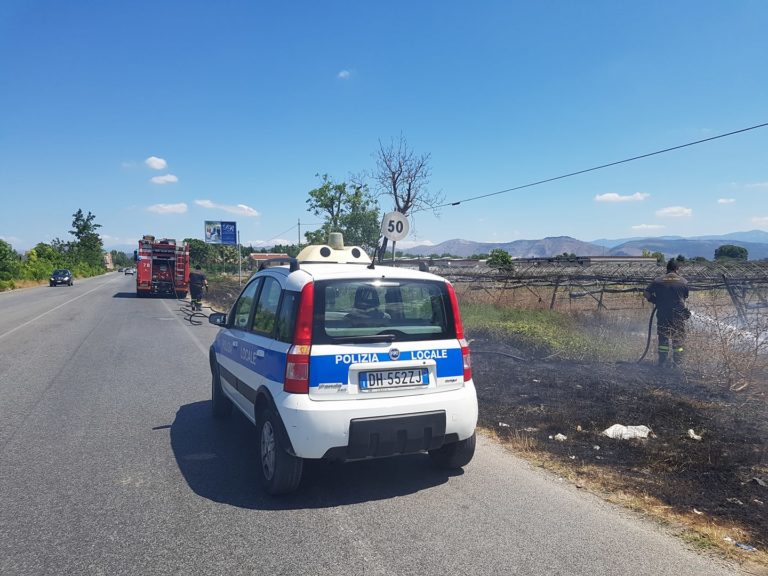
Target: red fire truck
<point>162,267</point>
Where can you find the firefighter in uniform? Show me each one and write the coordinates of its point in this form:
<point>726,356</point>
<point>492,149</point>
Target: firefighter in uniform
<point>668,293</point>
<point>197,283</point>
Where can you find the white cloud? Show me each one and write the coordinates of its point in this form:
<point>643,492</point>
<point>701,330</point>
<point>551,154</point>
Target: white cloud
<point>240,209</point>
<point>726,200</point>
<point>643,227</point>
<point>180,208</point>
<point>110,240</point>
<point>613,197</point>
<point>344,75</point>
<point>156,163</point>
<point>761,221</point>
<point>164,179</point>
<point>11,239</point>
<point>269,243</point>
<point>758,185</point>
<point>674,212</point>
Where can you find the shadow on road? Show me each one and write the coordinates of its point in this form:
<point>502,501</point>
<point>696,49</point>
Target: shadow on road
<point>124,295</point>
<point>134,295</point>
<point>218,461</point>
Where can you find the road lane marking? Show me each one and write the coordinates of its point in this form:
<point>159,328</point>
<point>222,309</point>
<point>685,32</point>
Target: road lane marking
<point>28,322</point>
<point>173,313</point>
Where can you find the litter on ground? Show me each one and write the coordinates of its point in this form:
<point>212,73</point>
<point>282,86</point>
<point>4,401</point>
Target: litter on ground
<point>621,432</point>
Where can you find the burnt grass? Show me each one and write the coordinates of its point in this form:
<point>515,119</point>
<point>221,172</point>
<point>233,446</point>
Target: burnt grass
<point>526,401</point>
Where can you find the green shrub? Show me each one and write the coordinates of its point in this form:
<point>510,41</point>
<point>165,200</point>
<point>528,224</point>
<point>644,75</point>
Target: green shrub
<point>542,331</point>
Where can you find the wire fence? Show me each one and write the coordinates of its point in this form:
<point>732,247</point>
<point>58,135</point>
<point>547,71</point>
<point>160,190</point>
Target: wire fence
<point>585,283</point>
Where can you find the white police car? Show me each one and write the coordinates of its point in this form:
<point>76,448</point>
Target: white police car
<point>332,357</point>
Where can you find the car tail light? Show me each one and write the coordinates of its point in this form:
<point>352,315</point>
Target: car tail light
<point>297,370</point>
<point>297,366</point>
<point>466,358</point>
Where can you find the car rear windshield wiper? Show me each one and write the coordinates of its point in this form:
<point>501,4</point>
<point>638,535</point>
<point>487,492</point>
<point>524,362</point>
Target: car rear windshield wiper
<point>366,338</point>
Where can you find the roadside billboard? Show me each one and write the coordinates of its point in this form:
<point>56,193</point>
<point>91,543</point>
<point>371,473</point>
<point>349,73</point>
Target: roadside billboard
<point>219,232</point>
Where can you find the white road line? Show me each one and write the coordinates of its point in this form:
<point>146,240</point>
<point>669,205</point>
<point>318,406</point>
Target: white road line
<point>188,330</point>
<point>28,322</point>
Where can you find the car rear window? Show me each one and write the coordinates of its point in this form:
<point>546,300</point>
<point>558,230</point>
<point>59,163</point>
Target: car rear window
<point>407,309</point>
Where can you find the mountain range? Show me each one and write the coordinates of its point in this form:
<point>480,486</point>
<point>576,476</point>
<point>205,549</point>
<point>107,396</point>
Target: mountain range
<point>755,241</point>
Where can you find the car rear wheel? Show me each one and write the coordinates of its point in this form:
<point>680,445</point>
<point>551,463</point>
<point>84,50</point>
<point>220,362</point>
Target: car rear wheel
<point>279,472</point>
<point>454,455</point>
<point>221,405</point>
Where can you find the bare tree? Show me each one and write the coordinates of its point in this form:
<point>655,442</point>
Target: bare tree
<point>403,175</point>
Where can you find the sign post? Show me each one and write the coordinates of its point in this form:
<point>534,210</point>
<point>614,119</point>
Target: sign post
<point>226,234</point>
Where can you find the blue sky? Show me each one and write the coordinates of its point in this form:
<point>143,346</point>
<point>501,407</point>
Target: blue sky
<point>157,116</point>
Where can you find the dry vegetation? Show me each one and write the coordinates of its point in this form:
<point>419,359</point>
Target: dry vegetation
<point>574,371</point>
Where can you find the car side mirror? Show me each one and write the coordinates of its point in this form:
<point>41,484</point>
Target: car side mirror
<point>218,318</point>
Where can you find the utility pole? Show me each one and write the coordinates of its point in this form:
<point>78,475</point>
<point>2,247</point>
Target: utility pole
<point>299,243</point>
<point>239,261</point>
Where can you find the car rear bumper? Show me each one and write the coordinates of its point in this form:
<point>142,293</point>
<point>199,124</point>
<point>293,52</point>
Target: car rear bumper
<point>354,429</point>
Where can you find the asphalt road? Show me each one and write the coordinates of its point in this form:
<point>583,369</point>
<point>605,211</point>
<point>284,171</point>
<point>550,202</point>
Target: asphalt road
<point>110,464</point>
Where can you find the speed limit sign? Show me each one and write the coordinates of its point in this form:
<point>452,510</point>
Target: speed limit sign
<point>395,226</point>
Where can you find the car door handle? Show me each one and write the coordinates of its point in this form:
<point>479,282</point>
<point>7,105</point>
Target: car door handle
<point>260,353</point>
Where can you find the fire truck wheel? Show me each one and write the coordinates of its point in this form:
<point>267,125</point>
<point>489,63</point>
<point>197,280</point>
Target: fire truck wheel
<point>221,406</point>
<point>279,472</point>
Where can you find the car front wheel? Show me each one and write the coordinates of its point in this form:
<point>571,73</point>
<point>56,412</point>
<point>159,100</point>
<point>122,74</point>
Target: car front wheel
<point>454,455</point>
<point>279,471</point>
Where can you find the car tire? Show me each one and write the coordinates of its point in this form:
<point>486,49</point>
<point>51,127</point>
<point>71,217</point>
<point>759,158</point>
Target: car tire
<point>454,455</point>
<point>221,405</point>
<point>51,284</point>
<point>279,471</point>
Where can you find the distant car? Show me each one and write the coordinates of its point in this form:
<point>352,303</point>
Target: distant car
<point>130,271</point>
<point>121,270</point>
<point>61,276</point>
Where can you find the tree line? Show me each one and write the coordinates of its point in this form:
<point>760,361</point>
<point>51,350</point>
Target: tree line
<point>83,255</point>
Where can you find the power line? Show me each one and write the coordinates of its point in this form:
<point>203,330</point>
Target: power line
<point>456,203</point>
<point>280,234</point>
<point>284,232</point>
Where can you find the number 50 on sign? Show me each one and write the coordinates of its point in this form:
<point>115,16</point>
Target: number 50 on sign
<point>395,226</point>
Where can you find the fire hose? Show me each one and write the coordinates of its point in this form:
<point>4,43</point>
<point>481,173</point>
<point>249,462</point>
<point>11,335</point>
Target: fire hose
<point>648,342</point>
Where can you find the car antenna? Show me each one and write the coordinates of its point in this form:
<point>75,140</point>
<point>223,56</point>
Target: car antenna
<point>377,253</point>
